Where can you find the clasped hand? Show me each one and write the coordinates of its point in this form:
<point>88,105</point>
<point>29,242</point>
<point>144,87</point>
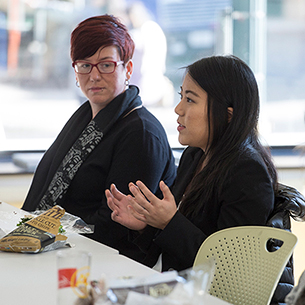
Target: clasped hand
<point>143,208</point>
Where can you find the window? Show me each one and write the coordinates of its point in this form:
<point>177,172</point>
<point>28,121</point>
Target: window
<point>37,84</point>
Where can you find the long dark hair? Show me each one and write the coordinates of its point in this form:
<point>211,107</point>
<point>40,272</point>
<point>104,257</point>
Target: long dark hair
<point>229,82</point>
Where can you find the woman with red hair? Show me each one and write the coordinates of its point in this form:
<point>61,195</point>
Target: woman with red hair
<point>111,138</point>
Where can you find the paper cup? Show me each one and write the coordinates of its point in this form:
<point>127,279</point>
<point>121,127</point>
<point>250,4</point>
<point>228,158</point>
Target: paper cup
<point>73,269</point>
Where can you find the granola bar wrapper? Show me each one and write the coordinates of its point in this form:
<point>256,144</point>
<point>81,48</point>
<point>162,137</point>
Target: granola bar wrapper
<point>36,235</point>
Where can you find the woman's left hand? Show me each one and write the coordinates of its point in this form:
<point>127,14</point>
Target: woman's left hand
<point>149,208</point>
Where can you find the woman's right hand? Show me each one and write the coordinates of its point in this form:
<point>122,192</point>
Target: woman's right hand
<point>120,206</point>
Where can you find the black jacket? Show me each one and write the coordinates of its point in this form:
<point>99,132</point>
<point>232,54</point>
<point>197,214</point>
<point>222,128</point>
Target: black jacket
<point>247,199</point>
<point>134,146</point>
<point>288,203</point>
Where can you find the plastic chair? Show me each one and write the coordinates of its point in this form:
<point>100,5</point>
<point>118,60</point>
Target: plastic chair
<point>246,273</point>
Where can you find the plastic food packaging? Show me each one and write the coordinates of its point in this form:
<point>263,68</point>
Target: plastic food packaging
<point>36,234</point>
<point>41,232</point>
<point>188,287</point>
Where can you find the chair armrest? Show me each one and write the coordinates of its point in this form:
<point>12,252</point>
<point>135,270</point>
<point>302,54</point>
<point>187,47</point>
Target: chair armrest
<point>289,199</point>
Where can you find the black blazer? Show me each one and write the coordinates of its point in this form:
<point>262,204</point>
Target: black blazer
<point>247,199</point>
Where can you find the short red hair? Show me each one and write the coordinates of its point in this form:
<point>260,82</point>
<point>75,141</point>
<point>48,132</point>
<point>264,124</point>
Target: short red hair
<point>100,31</point>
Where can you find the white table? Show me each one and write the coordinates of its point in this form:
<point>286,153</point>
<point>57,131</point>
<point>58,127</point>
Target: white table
<point>32,278</point>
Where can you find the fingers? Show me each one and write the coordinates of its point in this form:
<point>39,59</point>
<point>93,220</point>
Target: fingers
<point>142,194</point>
<point>114,197</point>
<point>137,212</point>
<point>145,190</point>
<point>135,190</point>
<point>114,216</point>
<point>167,194</point>
<point>135,207</point>
<point>115,192</point>
<point>138,196</point>
<point>109,198</point>
<point>111,205</point>
<point>108,194</point>
<point>143,205</point>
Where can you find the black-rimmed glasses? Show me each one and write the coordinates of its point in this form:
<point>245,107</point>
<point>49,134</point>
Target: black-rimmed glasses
<point>105,67</point>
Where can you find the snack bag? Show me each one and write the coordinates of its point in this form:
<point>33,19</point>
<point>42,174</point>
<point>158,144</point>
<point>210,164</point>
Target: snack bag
<point>36,235</point>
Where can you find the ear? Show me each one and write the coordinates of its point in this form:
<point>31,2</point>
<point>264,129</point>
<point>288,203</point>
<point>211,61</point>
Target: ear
<point>230,114</point>
<point>129,69</point>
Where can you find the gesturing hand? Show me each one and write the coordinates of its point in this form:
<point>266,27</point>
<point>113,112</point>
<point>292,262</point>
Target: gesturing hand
<point>148,208</point>
<point>121,213</point>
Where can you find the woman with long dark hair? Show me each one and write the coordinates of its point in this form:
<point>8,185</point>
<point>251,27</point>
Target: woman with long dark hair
<point>225,177</point>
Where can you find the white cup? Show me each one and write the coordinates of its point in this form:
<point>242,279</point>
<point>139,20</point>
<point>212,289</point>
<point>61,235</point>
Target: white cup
<point>73,269</point>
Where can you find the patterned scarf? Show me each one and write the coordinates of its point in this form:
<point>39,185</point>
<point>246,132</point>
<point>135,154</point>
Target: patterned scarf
<point>80,150</point>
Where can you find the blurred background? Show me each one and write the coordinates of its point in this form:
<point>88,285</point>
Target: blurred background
<point>37,82</point>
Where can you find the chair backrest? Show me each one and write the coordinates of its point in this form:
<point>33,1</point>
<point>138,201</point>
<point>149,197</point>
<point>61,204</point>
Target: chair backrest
<point>246,273</point>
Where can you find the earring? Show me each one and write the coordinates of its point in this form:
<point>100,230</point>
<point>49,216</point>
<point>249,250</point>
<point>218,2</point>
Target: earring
<point>77,84</point>
<point>127,82</point>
